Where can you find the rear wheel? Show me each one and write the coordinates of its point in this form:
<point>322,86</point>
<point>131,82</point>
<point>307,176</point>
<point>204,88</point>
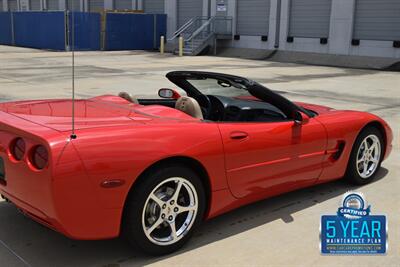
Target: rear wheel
<point>366,156</point>
<point>164,210</point>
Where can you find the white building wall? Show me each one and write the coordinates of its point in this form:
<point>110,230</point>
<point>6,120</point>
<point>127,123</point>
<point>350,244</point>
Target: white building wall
<point>340,35</point>
<point>171,11</point>
<point>341,30</point>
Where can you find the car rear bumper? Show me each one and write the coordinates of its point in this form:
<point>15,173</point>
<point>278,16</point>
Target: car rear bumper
<point>63,199</point>
<point>94,224</point>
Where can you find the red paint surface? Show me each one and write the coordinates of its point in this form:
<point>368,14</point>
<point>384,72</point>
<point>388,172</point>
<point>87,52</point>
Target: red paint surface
<point>118,140</point>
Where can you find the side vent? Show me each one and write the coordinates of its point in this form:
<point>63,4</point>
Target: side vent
<point>340,147</point>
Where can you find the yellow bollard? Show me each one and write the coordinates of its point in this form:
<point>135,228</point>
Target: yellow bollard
<point>162,45</point>
<point>180,46</point>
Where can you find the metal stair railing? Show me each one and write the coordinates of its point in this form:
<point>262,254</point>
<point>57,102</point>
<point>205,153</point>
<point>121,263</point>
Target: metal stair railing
<point>188,28</point>
<point>207,32</point>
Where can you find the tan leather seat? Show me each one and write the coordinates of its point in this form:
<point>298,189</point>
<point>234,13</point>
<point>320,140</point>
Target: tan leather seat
<point>190,106</point>
<point>128,97</point>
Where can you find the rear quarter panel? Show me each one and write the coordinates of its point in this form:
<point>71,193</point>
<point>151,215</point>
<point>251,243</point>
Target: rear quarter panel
<point>28,187</point>
<point>126,152</point>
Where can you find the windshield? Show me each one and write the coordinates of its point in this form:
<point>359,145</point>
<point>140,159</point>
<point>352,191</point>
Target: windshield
<point>211,86</point>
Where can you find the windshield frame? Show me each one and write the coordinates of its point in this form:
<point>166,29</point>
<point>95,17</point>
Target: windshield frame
<point>182,80</point>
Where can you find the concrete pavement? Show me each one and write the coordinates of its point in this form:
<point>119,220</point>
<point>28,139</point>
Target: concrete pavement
<point>281,231</point>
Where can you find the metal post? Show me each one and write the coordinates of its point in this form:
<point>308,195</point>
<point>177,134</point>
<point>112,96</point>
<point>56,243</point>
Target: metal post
<point>180,46</point>
<point>162,39</point>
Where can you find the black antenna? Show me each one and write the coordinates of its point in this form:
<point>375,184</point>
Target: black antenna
<point>73,135</point>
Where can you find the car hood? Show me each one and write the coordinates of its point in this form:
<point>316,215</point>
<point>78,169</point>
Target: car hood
<point>103,111</point>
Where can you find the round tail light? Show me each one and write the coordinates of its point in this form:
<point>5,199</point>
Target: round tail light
<point>39,157</point>
<point>17,149</point>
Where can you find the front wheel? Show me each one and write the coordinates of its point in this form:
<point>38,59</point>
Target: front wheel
<point>162,213</point>
<point>366,156</point>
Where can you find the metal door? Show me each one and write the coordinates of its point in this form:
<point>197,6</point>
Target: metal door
<point>35,5</point>
<point>188,9</point>
<point>12,5</point>
<point>377,20</point>
<point>253,17</point>
<point>154,6</point>
<point>122,4</point>
<point>73,5</point>
<point>96,5</point>
<point>310,18</point>
<point>53,5</point>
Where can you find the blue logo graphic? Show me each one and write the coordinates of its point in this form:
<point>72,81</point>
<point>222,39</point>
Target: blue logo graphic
<point>353,230</point>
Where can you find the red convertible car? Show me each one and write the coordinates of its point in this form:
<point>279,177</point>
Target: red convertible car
<point>154,169</point>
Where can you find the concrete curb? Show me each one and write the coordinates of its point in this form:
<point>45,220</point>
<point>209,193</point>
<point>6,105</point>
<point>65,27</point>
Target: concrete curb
<point>359,62</point>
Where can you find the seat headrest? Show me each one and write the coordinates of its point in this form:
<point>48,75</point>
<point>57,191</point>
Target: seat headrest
<point>190,106</point>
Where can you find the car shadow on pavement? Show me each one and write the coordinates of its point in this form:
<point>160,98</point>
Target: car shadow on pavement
<point>39,246</point>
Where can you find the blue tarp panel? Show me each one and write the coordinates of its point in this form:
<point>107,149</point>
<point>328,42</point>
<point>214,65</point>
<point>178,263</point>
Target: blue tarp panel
<point>87,30</point>
<point>161,28</point>
<point>131,31</point>
<point>5,28</point>
<point>45,30</point>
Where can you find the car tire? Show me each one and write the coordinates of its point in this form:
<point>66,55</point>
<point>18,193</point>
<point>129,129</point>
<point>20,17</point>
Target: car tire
<point>366,157</point>
<point>154,201</point>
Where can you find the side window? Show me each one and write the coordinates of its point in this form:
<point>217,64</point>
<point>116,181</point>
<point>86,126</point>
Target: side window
<point>253,111</point>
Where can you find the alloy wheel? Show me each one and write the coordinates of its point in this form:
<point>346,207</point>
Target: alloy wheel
<point>170,211</point>
<point>368,156</point>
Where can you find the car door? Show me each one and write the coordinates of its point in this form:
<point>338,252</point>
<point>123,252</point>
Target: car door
<point>272,157</point>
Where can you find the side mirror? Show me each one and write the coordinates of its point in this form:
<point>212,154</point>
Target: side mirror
<point>168,93</point>
<point>300,118</point>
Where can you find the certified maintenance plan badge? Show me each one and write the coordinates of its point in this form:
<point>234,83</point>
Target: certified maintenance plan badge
<point>353,230</point>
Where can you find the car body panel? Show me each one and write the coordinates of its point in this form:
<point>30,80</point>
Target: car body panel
<point>118,140</point>
<point>272,156</point>
<point>103,111</point>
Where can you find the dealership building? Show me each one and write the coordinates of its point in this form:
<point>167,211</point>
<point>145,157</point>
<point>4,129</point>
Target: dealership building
<point>333,27</point>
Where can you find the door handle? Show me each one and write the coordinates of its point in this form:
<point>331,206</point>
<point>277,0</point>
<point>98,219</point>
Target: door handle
<point>239,135</point>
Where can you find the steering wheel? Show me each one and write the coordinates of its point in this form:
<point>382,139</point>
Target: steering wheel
<point>205,105</point>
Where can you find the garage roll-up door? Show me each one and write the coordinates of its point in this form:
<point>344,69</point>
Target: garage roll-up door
<point>188,9</point>
<point>1,5</point>
<point>154,6</point>
<point>35,5</point>
<point>73,5</point>
<point>253,17</point>
<point>122,4</point>
<point>377,20</point>
<point>12,5</point>
<point>96,5</point>
<point>53,5</point>
<point>310,18</point>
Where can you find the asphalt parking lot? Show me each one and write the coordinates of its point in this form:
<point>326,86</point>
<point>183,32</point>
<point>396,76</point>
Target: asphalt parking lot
<point>282,231</point>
